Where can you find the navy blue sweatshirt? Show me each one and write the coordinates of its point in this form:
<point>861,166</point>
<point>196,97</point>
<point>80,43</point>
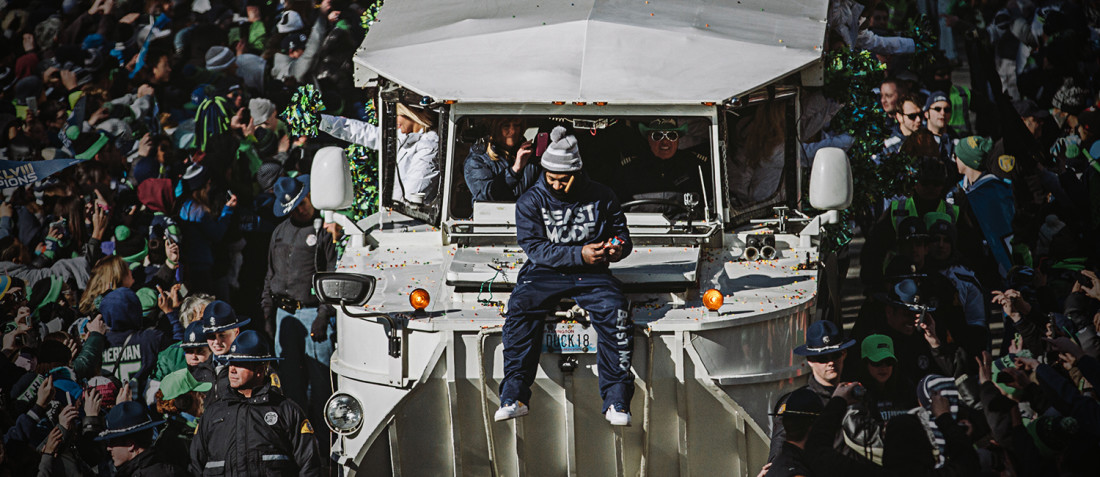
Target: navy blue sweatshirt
<point>552,230</point>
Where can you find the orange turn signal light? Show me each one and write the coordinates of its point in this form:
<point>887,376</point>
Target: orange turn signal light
<point>713,299</point>
<point>419,299</point>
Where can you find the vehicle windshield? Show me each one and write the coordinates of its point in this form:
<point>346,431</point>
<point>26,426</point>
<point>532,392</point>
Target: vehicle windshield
<point>655,165</point>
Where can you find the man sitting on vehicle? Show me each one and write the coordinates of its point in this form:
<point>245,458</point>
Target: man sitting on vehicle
<point>666,173</point>
<point>571,228</point>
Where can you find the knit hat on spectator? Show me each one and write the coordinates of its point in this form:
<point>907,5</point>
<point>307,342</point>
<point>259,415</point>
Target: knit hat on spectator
<point>267,174</point>
<point>940,224</point>
<point>28,87</point>
<point>261,110</point>
<point>194,336</point>
<point>120,308</point>
<point>219,316</point>
<point>53,352</point>
<point>562,155</point>
<point>44,291</point>
<point>146,168</point>
<point>1052,434</point>
<point>127,418</point>
<point>935,97</point>
<point>195,177</point>
<point>1072,98</point>
<point>945,386</point>
<point>87,145</point>
<point>293,41</point>
<point>131,246</point>
<point>289,21</point>
<point>107,388</point>
<point>201,93</point>
<point>219,58</point>
<point>1029,109</point>
<point>973,150</point>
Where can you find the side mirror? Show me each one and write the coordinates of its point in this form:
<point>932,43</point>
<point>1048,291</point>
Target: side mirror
<point>831,180</point>
<point>330,180</point>
<point>336,288</point>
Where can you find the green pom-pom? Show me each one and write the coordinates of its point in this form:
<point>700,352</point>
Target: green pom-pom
<point>303,114</point>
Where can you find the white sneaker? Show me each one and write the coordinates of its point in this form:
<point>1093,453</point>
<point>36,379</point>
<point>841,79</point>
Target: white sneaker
<point>617,415</point>
<point>510,410</point>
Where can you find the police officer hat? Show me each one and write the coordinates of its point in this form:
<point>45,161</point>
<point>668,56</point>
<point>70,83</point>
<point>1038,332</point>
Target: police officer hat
<point>126,418</point>
<point>249,348</point>
<point>907,292</point>
<point>802,402</point>
<point>194,336</point>
<point>823,337</point>
<point>219,316</point>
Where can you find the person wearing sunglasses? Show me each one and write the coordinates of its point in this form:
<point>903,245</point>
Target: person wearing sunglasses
<point>937,112</point>
<point>664,171</point>
<point>910,118</point>
<point>825,350</point>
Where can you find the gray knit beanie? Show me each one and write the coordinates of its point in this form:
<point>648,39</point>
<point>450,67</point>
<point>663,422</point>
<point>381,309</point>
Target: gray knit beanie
<point>562,155</point>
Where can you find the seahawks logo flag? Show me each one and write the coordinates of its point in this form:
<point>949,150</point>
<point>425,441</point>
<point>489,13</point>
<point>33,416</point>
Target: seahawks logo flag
<point>18,173</point>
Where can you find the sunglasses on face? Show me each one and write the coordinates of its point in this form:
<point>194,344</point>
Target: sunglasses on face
<point>946,109</point>
<point>659,135</point>
<point>824,358</point>
<point>882,364</point>
<point>911,116</point>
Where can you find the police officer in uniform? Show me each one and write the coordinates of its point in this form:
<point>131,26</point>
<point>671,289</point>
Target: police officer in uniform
<point>797,413</point>
<point>221,326</point>
<point>825,350</point>
<point>303,329</point>
<point>664,171</point>
<point>254,429</point>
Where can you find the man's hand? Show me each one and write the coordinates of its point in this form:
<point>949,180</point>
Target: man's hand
<point>97,325</point>
<point>9,338</point>
<point>1027,364</point>
<point>45,392</point>
<point>985,367</point>
<point>68,80</point>
<point>232,202</point>
<point>163,301</point>
<point>334,229</point>
<point>99,223</point>
<point>53,441</point>
<point>73,347</point>
<point>594,253</point>
<point>522,156</point>
<point>129,18</point>
<point>124,394</point>
<point>1093,291</point>
<point>99,115</point>
<point>844,390</point>
<point>614,252</point>
<point>764,470</point>
<point>940,405</point>
<point>1020,380</point>
<point>1012,303</point>
<point>145,146</point>
<point>93,402</point>
<point>68,416</point>
<point>6,210</point>
<point>172,253</point>
<point>928,326</point>
<point>1063,345</point>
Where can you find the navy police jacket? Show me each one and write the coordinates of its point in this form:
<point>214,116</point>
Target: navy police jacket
<point>552,230</point>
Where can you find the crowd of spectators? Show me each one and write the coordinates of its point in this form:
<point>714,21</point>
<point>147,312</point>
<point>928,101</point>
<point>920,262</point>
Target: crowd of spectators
<point>127,278</point>
<point>975,348</point>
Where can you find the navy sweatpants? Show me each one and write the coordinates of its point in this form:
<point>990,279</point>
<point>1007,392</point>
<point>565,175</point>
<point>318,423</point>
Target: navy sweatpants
<point>537,293</point>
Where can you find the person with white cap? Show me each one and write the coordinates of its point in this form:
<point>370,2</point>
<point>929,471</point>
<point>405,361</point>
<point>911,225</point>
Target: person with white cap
<point>417,178</point>
<point>571,229</point>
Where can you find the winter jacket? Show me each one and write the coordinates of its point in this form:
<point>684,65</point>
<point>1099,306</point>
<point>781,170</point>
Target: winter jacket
<point>266,434</point>
<point>417,168</point>
<point>87,362</point>
<point>292,259</point>
<point>494,181</point>
<point>202,231</point>
<point>149,464</point>
<point>552,230</point>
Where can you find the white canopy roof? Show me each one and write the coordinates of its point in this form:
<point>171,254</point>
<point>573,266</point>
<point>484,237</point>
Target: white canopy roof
<point>619,51</point>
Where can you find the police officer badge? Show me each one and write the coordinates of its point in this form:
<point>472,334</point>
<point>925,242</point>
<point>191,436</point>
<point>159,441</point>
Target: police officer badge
<point>271,418</point>
<point>311,240</point>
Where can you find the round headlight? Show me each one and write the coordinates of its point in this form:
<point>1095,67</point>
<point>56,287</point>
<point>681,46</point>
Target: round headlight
<point>343,414</point>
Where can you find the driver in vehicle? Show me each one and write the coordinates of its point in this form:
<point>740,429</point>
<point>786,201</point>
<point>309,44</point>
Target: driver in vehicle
<point>664,173</point>
<point>571,228</point>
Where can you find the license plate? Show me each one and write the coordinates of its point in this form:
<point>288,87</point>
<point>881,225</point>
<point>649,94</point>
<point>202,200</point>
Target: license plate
<point>568,338</point>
